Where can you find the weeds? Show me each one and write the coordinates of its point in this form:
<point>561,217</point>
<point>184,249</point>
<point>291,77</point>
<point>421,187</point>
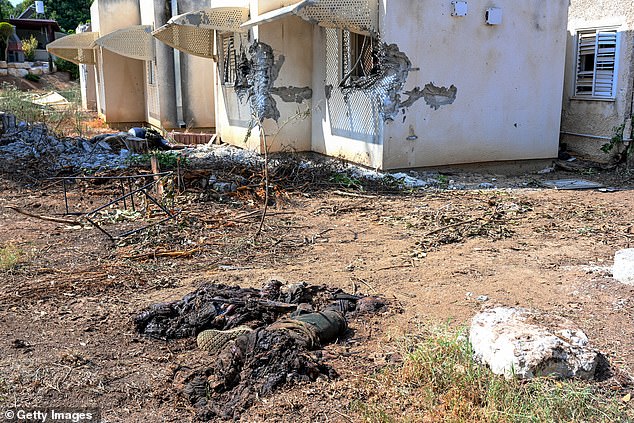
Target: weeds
<point>166,160</point>
<point>11,257</point>
<point>440,382</point>
<point>20,104</point>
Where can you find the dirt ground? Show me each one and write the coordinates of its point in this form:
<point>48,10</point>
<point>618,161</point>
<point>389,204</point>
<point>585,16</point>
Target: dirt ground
<point>66,331</point>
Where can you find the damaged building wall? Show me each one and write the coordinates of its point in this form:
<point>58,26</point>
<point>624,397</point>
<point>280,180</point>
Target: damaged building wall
<point>486,94</point>
<point>596,119</point>
<point>120,80</point>
<point>476,92</point>
<point>346,125</point>
<point>281,84</point>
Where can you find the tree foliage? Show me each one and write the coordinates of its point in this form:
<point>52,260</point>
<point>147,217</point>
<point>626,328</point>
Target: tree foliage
<point>6,10</point>
<point>68,13</point>
<point>6,30</point>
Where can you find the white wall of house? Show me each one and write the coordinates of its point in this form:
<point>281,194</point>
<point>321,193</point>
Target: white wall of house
<point>589,123</point>
<point>160,93</point>
<point>508,79</point>
<point>120,80</point>
<point>197,80</point>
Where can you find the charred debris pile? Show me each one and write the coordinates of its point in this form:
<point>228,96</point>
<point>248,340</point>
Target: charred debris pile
<point>285,328</point>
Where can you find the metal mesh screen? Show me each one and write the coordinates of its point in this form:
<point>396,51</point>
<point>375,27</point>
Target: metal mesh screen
<point>152,90</point>
<point>193,32</point>
<point>356,15</point>
<point>76,48</point>
<point>354,114</point>
<point>190,39</point>
<point>135,42</point>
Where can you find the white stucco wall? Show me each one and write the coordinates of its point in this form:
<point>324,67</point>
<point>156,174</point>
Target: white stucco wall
<point>509,79</point>
<point>197,80</point>
<point>120,80</point>
<point>598,118</point>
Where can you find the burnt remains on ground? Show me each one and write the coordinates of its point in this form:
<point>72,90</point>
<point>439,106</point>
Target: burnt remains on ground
<point>261,361</point>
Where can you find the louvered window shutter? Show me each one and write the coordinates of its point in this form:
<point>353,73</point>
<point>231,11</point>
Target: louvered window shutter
<point>596,63</point>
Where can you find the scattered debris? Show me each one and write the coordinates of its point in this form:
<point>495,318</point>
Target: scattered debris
<point>623,269</point>
<point>516,342</point>
<point>570,184</point>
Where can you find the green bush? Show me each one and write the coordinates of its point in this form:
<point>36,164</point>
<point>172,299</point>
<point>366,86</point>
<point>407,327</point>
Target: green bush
<point>32,77</point>
<point>66,66</point>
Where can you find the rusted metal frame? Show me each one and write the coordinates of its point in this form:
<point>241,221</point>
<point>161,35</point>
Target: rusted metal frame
<point>130,194</point>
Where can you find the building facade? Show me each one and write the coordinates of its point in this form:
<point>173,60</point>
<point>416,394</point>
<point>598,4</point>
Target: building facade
<point>598,91</point>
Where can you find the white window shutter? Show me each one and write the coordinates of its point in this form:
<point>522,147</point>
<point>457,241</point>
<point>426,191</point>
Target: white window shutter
<point>596,63</point>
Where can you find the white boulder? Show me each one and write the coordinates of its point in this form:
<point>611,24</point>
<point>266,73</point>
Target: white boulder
<point>19,73</point>
<point>516,342</point>
<point>623,269</point>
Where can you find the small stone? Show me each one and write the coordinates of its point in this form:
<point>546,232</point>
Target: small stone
<point>486,185</point>
<point>482,298</point>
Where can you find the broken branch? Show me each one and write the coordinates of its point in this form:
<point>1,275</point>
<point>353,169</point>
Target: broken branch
<point>47,218</point>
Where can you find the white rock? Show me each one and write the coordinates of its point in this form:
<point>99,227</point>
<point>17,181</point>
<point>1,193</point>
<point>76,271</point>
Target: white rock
<point>20,73</point>
<point>20,65</point>
<point>517,342</point>
<point>623,269</point>
<point>3,64</point>
<point>37,71</point>
<point>4,72</point>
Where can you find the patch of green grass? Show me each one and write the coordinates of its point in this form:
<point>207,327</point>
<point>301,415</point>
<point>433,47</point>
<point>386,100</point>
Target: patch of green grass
<point>440,382</point>
<point>346,181</point>
<point>11,257</point>
<point>166,159</point>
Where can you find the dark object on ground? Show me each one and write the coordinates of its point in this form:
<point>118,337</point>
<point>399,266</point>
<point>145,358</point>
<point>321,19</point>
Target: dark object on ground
<point>226,307</point>
<point>280,349</point>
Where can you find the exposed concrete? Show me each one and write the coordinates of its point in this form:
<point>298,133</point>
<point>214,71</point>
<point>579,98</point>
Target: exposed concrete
<point>387,83</point>
<point>263,73</point>
<point>293,94</point>
<point>435,97</point>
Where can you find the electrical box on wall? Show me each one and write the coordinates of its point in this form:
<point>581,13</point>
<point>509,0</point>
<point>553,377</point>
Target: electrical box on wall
<point>458,8</point>
<point>493,16</point>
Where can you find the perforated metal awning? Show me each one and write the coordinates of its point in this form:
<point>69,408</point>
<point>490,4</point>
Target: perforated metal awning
<point>135,42</point>
<point>76,48</point>
<point>193,32</point>
<point>355,15</point>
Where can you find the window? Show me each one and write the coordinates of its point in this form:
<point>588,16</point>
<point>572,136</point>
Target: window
<point>596,63</point>
<point>358,56</point>
<point>151,72</point>
<point>229,59</point>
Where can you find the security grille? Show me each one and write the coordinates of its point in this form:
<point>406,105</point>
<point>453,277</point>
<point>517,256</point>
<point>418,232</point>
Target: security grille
<point>77,48</point>
<point>152,90</point>
<point>353,114</point>
<point>135,42</point>
<point>193,32</point>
